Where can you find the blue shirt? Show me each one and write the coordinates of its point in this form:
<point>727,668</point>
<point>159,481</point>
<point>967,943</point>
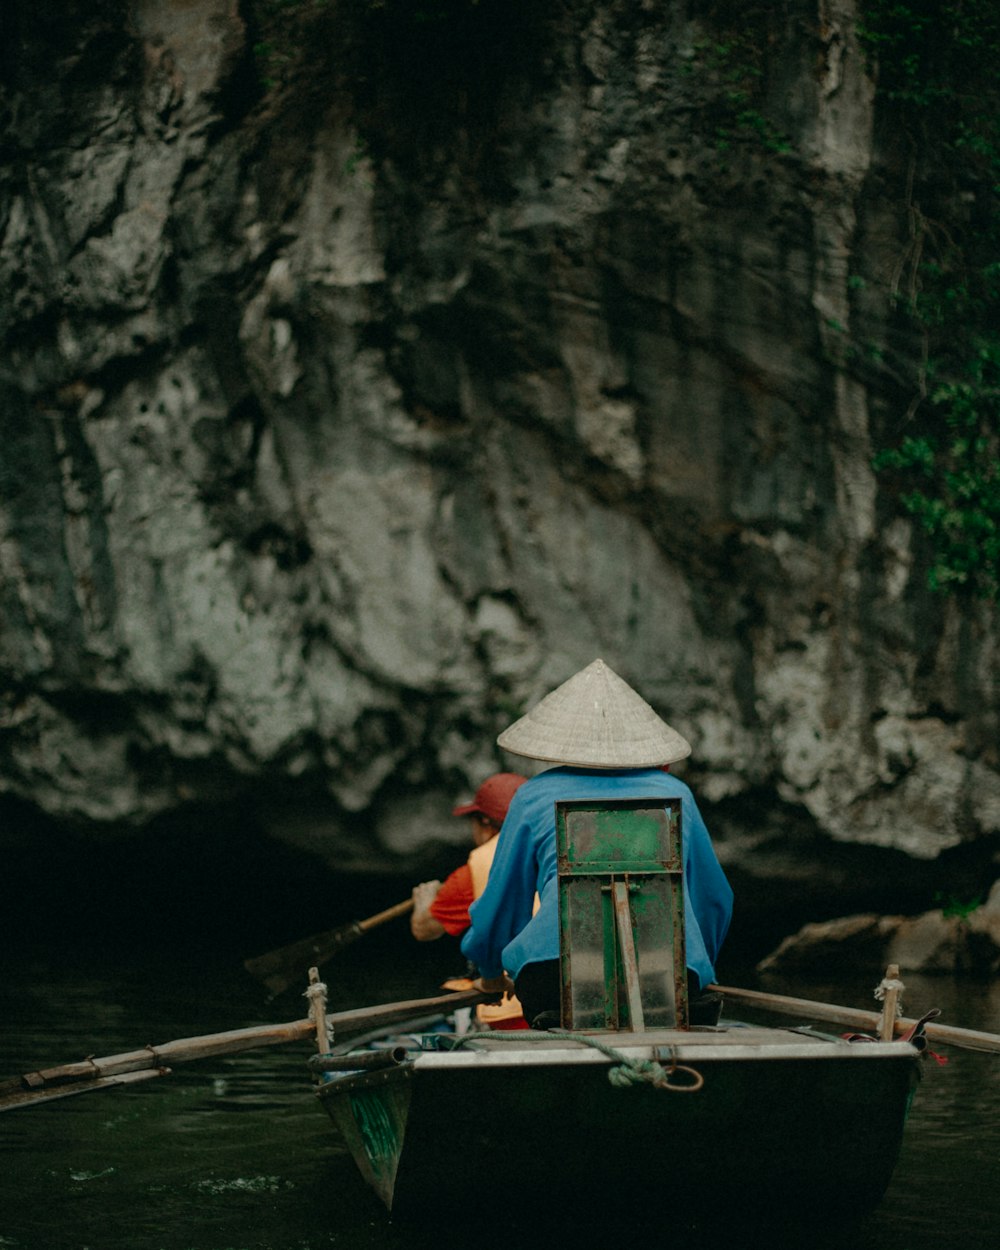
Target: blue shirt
<point>505,935</point>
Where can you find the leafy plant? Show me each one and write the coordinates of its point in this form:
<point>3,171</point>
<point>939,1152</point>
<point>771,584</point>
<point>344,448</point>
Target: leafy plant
<point>734,61</point>
<point>953,906</point>
<point>937,66</point>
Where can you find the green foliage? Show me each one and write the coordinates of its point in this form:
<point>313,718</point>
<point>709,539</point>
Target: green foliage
<point>953,906</point>
<point>276,45</point>
<point>932,52</point>
<point>734,61</point>
<point>357,156</point>
<point>270,62</point>
<point>937,65</point>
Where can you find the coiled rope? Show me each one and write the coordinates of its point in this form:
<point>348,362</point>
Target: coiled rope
<point>627,1071</point>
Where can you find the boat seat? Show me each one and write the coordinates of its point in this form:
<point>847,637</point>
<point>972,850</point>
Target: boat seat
<point>621,914</point>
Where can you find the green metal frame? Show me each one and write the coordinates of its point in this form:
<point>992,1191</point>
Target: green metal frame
<point>621,914</point>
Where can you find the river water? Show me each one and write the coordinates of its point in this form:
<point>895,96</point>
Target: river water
<point>235,1154</point>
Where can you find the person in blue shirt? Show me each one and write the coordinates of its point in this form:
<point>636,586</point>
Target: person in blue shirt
<point>605,742</point>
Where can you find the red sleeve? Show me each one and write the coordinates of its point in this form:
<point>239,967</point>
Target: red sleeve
<point>451,903</point>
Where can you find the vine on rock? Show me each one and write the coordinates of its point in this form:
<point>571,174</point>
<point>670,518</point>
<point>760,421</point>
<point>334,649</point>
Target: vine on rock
<point>937,67</point>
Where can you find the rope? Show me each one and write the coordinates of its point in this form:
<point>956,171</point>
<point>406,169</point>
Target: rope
<point>884,986</point>
<point>316,990</point>
<point>626,1072</point>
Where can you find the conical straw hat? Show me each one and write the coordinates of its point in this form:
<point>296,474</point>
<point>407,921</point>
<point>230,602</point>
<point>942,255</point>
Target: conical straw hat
<point>595,720</point>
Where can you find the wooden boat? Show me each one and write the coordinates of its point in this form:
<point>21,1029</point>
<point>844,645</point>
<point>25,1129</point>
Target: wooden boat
<point>627,1101</point>
<point>756,1119</point>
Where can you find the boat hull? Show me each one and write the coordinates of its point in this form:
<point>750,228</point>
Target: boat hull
<point>780,1124</point>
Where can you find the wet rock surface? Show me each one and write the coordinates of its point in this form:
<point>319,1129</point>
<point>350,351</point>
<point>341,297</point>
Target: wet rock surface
<point>939,941</point>
<point>361,382</point>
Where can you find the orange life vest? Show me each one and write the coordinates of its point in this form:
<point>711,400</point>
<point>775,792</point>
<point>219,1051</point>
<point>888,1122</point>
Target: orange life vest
<point>508,1009</point>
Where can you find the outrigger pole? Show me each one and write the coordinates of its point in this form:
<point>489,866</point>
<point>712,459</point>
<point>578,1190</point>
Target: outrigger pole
<point>855,1018</point>
<point>137,1065</point>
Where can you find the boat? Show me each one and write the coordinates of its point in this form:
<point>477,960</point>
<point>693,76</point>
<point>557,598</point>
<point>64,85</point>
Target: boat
<point>626,1098</point>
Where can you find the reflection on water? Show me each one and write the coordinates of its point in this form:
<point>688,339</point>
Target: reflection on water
<point>234,1154</point>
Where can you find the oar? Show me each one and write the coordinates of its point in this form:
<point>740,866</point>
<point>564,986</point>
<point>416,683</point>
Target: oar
<point>134,1065</point>
<point>854,1018</point>
<point>278,969</point>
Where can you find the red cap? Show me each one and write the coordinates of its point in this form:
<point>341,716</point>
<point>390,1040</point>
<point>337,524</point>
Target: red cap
<point>493,797</point>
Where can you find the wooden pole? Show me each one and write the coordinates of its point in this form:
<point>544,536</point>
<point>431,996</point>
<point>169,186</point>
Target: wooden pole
<point>212,1045</point>
<point>889,991</point>
<point>854,1018</point>
<point>316,993</point>
<point>630,962</point>
<point>390,913</point>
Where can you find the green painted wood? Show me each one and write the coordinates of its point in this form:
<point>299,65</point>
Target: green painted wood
<point>371,1111</point>
<point>632,845</point>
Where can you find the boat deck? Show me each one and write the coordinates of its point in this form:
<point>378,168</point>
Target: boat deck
<point>726,1043</point>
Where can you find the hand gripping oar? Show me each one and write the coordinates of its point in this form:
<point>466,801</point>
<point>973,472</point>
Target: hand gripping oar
<point>278,969</point>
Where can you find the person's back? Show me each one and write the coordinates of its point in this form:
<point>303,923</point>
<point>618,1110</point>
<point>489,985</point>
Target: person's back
<point>621,754</point>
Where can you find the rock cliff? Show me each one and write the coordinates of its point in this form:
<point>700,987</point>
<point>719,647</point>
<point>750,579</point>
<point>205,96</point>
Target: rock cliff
<point>363,377</point>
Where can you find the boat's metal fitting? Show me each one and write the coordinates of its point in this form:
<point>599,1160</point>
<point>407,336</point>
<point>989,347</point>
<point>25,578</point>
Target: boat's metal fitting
<point>363,1061</point>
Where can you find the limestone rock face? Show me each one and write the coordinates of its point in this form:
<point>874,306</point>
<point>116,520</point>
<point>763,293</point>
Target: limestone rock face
<point>932,942</point>
<point>362,381</point>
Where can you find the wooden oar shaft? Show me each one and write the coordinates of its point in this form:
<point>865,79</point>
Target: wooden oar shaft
<point>212,1045</point>
<point>390,913</point>
<point>856,1018</point>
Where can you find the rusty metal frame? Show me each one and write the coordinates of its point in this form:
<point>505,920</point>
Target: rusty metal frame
<point>621,914</point>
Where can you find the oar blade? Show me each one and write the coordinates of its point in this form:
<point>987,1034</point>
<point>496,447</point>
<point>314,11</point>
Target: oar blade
<point>289,964</point>
<point>278,969</point>
<point>29,1097</point>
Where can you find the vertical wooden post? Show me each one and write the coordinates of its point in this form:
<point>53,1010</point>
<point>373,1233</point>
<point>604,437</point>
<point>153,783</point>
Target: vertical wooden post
<point>889,992</point>
<point>316,993</point>
<point>630,963</point>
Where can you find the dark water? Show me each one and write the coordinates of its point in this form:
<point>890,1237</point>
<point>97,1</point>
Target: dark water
<point>234,1154</point>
